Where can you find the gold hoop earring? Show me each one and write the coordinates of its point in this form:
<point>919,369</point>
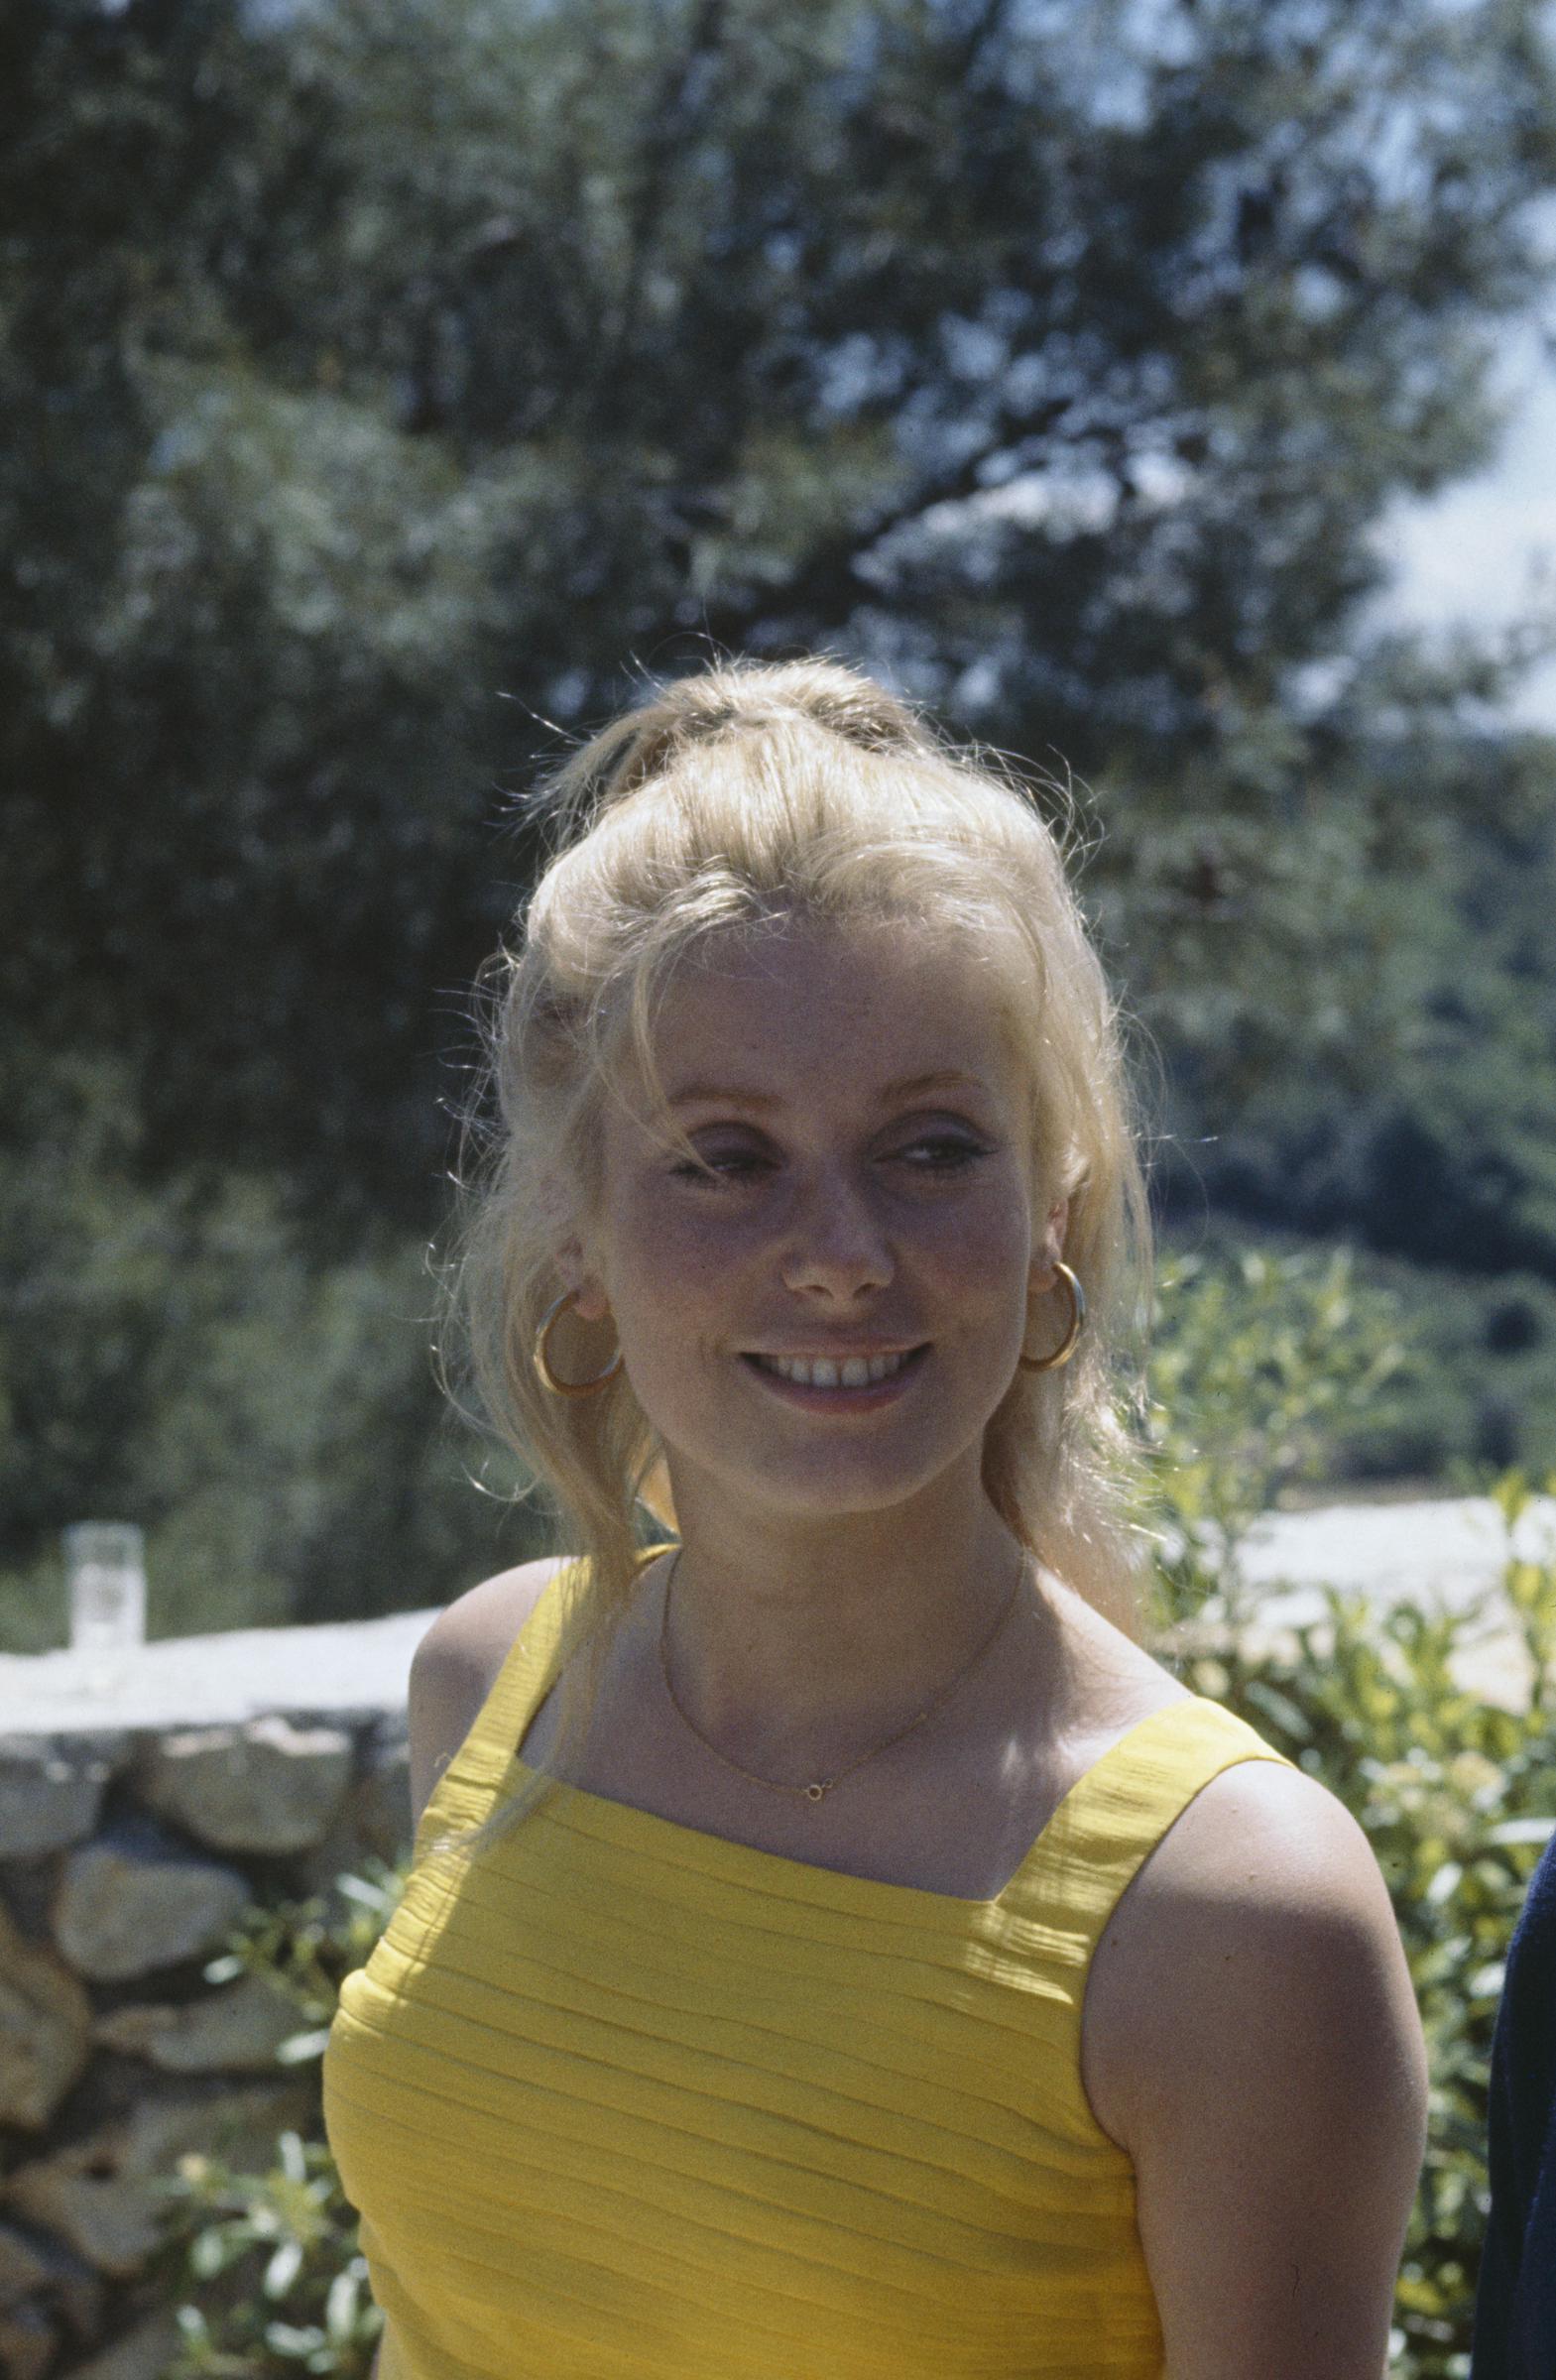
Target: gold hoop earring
<point>1072,1340</point>
<point>542,1361</point>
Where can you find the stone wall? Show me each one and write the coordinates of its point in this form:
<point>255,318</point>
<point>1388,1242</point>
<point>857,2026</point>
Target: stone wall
<point>143,1805</point>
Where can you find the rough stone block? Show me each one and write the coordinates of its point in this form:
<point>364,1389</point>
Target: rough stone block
<point>269,1786</point>
<point>111,2217</point>
<point>45,2024</point>
<point>23,2266</point>
<point>133,1901</point>
<point>372,1823</point>
<point>28,2339</point>
<point>381,1804</point>
<point>238,2126</point>
<point>233,2031</point>
<point>102,2195</point>
<point>142,2353</point>
<point>50,1791</point>
<point>52,2278</point>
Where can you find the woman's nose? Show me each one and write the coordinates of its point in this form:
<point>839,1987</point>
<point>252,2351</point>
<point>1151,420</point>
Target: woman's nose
<point>837,1242</point>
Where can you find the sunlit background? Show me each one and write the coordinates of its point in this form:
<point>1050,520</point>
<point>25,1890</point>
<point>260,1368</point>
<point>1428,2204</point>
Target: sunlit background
<point>1161,392</point>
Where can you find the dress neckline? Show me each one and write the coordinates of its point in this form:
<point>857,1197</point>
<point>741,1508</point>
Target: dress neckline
<point>787,1877</point>
<point>536,1657</point>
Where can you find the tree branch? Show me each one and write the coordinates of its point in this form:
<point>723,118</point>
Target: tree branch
<point>827,585</point>
<point>671,119</point>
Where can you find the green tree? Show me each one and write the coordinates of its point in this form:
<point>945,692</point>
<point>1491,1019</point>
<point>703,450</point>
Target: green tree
<point>379,377</point>
<point>1058,361</point>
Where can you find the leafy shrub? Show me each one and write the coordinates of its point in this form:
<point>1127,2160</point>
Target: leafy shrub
<point>1472,1390</point>
<point>1261,1366</point>
<point>282,2284</point>
<point>265,2267</point>
<point>1261,1361</point>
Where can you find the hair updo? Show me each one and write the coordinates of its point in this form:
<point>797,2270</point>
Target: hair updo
<point>727,801</point>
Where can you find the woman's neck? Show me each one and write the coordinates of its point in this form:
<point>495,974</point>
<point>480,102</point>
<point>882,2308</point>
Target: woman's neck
<point>797,1643</point>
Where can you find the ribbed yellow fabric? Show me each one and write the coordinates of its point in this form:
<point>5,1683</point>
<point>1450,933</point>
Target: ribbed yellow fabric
<point>620,2100</point>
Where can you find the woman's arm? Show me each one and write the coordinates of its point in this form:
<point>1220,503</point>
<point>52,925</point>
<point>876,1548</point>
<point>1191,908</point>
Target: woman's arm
<point>1275,2098</point>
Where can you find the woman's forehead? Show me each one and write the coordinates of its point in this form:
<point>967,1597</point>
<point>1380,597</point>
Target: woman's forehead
<point>877,1013</point>
<point>794,967</point>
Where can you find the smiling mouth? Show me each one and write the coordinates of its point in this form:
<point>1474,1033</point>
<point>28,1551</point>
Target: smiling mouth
<point>848,1371</point>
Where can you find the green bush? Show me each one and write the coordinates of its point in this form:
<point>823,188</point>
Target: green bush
<point>265,2268</point>
<point>1473,1391</point>
<point>1261,1361</point>
<point>1262,1364</point>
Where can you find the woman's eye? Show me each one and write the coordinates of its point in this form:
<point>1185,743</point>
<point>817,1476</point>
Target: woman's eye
<point>946,1153</point>
<point>720,1165</point>
<point>930,1153</point>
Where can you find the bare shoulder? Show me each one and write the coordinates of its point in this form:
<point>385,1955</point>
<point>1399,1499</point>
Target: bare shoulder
<point>1252,2041</point>
<point>473,1635</point>
<point>1264,1874</point>
<point>1262,1834</point>
<point>457,1661</point>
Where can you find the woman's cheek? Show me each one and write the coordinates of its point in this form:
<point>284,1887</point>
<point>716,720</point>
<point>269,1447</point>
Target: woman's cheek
<point>703,1245</point>
<point>985,1246</point>
<point>675,1275</point>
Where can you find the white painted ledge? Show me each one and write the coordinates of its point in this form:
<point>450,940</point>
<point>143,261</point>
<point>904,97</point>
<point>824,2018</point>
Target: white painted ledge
<point>351,1668</point>
<point>1443,1554</point>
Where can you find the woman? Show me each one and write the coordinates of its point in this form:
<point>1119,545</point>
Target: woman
<point>837,1947</point>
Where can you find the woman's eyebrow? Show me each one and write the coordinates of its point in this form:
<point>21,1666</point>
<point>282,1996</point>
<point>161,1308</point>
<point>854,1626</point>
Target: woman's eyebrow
<point>907,1085</point>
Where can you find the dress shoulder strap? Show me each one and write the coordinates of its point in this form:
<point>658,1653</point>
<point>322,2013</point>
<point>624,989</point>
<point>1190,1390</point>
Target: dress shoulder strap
<point>1119,1809</point>
<point>476,1775</point>
<point>465,1793</point>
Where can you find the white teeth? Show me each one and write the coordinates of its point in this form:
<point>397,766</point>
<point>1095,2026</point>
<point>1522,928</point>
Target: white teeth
<point>855,1372</point>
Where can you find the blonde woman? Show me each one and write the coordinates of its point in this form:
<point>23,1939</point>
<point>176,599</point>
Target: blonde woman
<point>837,1950</point>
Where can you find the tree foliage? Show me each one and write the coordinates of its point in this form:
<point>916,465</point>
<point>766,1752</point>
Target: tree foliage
<point>370,364</point>
<point>389,384</point>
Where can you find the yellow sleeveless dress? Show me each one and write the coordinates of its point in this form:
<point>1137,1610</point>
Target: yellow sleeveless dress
<point>622,2100</point>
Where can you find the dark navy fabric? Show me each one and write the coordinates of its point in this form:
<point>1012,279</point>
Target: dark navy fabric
<point>1515,2306</point>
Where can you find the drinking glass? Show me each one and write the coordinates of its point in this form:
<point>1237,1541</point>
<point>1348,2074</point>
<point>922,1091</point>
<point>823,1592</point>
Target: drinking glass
<point>105,1565</point>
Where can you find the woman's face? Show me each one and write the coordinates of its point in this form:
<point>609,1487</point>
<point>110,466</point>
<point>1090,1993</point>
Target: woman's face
<point>861,1198</point>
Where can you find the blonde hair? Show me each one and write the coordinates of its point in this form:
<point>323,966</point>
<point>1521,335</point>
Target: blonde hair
<point>725,802</point>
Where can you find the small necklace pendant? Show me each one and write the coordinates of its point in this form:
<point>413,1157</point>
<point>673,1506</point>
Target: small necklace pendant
<point>815,1793</point>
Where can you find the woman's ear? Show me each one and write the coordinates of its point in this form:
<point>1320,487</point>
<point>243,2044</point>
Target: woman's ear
<point>1050,1248</point>
<point>590,1302</point>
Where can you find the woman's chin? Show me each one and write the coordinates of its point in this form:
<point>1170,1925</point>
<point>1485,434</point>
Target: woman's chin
<point>828,1479</point>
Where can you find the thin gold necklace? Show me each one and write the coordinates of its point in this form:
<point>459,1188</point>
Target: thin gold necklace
<point>820,1787</point>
